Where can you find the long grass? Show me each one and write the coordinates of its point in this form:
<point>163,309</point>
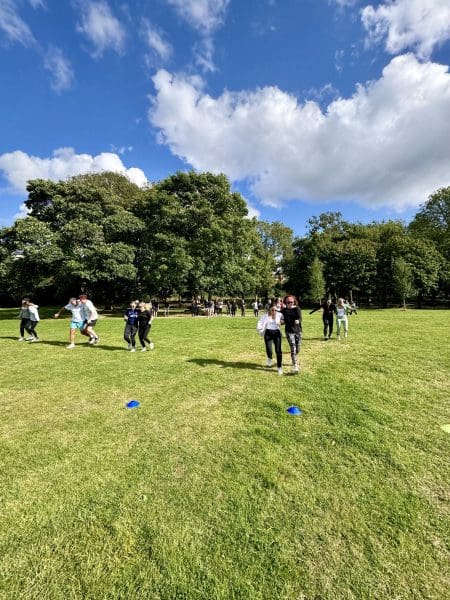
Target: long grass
<point>210,489</point>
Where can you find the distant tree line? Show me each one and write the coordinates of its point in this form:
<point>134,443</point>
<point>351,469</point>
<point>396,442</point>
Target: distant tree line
<point>190,235</point>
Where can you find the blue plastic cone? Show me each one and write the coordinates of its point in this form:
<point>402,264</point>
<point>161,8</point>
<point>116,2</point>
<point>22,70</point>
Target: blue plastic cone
<point>133,404</point>
<point>294,410</point>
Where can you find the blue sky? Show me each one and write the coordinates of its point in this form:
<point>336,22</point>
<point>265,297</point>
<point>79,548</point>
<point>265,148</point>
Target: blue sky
<point>306,105</point>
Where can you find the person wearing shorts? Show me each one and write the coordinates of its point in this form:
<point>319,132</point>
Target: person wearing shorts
<point>77,322</point>
<point>90,319</point>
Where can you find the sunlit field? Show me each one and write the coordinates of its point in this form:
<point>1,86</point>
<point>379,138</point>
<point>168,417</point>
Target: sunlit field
<point>210,489</point>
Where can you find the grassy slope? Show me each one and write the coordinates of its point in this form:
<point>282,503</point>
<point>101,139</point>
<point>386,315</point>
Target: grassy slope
<point>210,489</point>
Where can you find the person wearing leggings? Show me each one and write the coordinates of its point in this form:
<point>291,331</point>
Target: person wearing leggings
<point>328,309</point>
<point>269,327</point>
<point>24,316</point>
<point>292,318</point>
<point>144,320</point>
<point>131,327</point>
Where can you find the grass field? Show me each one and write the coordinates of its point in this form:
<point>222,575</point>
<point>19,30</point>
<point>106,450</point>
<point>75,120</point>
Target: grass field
<point>210,489</point>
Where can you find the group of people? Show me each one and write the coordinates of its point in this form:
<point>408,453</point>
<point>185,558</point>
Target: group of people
<point>84,318</point>
<point>216,308</point>
<point>287,312</point>
<point>138,319</point>
<point>341,309</point>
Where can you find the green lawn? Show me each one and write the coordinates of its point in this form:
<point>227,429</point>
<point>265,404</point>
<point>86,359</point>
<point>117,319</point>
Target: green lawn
<point>210,489</point>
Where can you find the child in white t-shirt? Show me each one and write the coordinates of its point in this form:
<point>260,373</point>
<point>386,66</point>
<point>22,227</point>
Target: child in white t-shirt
<point>76,308</point>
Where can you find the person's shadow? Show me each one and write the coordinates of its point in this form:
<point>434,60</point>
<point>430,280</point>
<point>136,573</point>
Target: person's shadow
<point>206,362</point>
<point>64,344</point>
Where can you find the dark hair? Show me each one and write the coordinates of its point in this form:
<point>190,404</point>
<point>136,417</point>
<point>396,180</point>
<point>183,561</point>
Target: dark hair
<point>291,296</point>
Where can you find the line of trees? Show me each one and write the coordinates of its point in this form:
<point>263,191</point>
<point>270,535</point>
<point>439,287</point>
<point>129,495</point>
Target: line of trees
<point>190,235</point>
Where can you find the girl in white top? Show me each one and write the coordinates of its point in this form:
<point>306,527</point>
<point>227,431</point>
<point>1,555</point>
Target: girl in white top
<point>76,308</point>
<point>90,319</point>
<point>269,327</point>
<point>34,320</point>
<point>341,317</point>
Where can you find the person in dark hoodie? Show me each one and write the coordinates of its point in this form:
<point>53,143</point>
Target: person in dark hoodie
<point>131,326</point>
<point>328,309</point>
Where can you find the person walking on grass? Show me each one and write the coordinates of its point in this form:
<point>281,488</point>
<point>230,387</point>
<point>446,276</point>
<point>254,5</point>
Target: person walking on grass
<point>341,317</point>
<point>76,308</point>
<point>268,326</point>
<point>33,321</point>
<point>292,318</point>
<point>24,316</point>
<point>90,319</point>
<point>131,326</point>
<point>328,309</point>
<point>144,320</point>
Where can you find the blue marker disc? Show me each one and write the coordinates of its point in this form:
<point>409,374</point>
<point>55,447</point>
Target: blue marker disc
<point>133,404</point>
<point>294,410</point>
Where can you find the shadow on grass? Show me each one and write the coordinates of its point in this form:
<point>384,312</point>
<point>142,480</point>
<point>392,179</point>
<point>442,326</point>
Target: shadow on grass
<point>206,362</point>
<point>64,344</point>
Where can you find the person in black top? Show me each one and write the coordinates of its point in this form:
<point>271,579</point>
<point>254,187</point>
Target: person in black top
<point>292,318</point>
<point>328,308</point>
<point>131,326</point>
<point>144,320</point>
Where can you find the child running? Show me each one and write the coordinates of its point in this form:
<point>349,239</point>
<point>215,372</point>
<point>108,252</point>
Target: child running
<point>24,316</point>
<point>90,319</point>
<point>269,327</point>
<point>33,321</point>
<point>292,318</point>
<point>144,320</point>
<point>131,326</point>
<point>77,321</point>
<point>341,317</point>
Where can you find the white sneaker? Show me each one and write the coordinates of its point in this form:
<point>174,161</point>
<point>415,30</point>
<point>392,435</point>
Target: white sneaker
<point>280,371</point>
<point>151,345</point>
<point>35,340</point>
<point>29,339</point>
<point>70,346</point>
<point>133,350</point>
<point>345,334</point>
<point>144,349</point>
<point>269,362</point>
<point>21,339</point>
<point>92,341</point>
<point>295,368</point>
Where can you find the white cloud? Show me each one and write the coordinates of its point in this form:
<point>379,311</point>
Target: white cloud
<point>156,42</point>
<point>60,68</point>
<point>19,167</point>
<point>204,15</point>
<point>203,55</point>
<point>101,27</point>
<point>13,25</point>
<point>345,3</point>
<point>37,3</point>
<point>23,212</point>
<point>385,145</point>
<point>419,25</point>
